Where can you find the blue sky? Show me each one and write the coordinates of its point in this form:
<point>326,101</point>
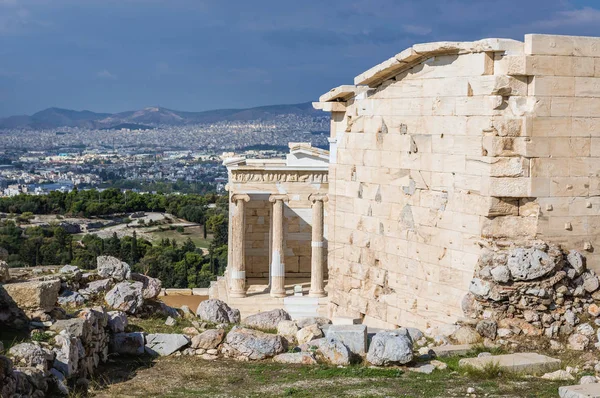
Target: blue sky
<point>116,55</point>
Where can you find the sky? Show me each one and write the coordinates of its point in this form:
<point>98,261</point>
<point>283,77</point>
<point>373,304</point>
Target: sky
<point>193,55</point>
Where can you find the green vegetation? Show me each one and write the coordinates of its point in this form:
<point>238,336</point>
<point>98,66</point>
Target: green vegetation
<point>178,263</point>
<point>185,377</point>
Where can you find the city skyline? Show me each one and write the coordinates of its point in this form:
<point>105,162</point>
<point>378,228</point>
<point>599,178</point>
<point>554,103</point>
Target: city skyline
<point>110,56</point>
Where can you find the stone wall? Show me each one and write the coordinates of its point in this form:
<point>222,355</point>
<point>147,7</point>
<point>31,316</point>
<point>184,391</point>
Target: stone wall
<point>447,147</point>
<point>297,236</point>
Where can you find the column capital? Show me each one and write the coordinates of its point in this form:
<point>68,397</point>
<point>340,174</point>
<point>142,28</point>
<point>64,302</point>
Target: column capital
<point>313,197</point>
<point>276,197</point>
<point>240,196</point>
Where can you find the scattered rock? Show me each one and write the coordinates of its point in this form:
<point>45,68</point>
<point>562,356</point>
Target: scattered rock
<point>217,311</point>
<point>112,267</point>
<point>170,321</point>
<point>585,329</point>
<point>267,320</point>
<point>301,358</point>
<point>558,375</point>
<point>164,344</point>
<point>352,336</point>
<point>590,282</point>
<point>72,299</point>
<point>389,348</point>
<point>151,286</point>
<point>577,342</point>
<point>209,339</point>
<point>125,296</point>
<point>594,310</point>
<point>588,380</point>
<point>425,369</point>
<point>319,321</point>
<point>254,344</point>
<point>96,287</point>
<point>466,335</point>
<point>288,330</point>
<point>308,333</point>
<point>415,334</point>
<point>334,352</point>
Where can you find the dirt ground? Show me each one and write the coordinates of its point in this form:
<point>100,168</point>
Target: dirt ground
<point>195,377</point>
<point>178,301</point>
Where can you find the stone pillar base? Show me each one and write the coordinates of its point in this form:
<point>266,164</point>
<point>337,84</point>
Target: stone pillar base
<point>317,294</point>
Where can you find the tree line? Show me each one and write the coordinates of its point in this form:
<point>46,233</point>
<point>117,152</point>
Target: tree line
<point>178,265</point>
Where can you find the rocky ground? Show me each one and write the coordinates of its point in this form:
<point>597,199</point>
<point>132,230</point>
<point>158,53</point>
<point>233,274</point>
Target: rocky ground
<point>103,332</point>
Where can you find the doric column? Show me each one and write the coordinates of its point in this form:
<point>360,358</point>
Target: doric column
<point>277,255</point>
<point>317,285</point>
<point>237,271</point>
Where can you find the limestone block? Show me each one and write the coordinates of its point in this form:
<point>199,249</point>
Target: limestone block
<point>521,362</point>
<point>379,72</point>
<point>552,86</point>
<point>562,45</point>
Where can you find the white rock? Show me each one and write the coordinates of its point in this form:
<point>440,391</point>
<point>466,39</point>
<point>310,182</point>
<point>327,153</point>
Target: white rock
<point>165,344</point>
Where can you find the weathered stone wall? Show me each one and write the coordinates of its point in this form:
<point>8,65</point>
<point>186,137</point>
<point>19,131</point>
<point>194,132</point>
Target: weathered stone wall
<point>296,231</point>
<point>453,145</point>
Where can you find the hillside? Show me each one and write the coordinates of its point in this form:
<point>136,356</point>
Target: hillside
<point>152,116</point>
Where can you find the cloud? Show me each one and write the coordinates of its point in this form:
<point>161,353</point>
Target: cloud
<point>105,74</point>
<point>417,30</point>
<point>585,16</point>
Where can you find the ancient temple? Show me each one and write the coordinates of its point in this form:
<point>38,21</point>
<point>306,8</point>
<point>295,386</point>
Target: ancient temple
<point>436,154</point>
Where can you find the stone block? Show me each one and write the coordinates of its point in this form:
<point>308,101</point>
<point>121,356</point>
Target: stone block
<point>526,362</point>
<point>580,391</point>
<point>452,350</point>
<point>353,336</point>
<point>35,294</point>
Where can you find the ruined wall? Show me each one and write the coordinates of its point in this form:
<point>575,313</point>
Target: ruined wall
<point>464,144</point>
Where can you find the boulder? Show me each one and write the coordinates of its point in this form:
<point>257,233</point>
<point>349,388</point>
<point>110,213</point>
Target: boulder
<point>125,296</point>
<point>152,286</point>
<point>217,311</point>
<point>164,344</point>
<point>389,348</point>
<point>308,333</point>
<point>300,358</point>
<point>267,320</point>
<point>354,337</point>
<point>334,352</point>
<point>254,344</point>
<point>117,321</point>
<point>526,264</point>
<point>96,287</point>
<point>127,343</point>
<point>34,295</point>
<point>112,267</point>
<point>70,298</point>
<point>415,334</point>
<point>208,339</point>
<point>30,354</point>
<point>4,272</point>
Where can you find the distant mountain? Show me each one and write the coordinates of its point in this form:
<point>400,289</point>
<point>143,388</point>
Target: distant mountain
<point>152,116</point>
